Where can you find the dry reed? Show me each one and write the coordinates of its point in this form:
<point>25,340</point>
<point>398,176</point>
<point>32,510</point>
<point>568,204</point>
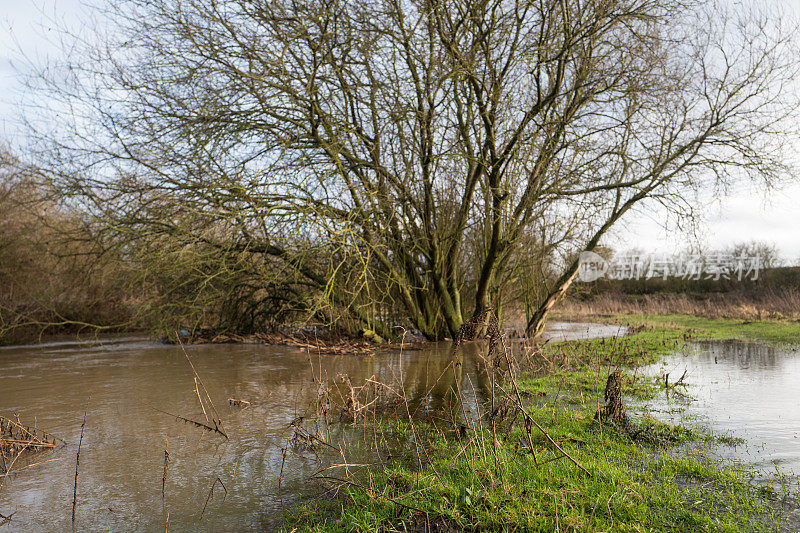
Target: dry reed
<point>767,304</point>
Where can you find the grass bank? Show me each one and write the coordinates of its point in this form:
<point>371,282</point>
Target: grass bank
<point>675,326</point>
<point>504,473</point>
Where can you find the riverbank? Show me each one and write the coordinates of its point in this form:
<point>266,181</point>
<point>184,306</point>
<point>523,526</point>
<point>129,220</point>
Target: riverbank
<point>674,326</point>
<point>573,474</point>
<point>313,339</point>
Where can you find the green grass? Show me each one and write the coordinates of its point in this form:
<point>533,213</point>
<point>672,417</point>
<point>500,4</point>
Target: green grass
<point>648,485</point>
<point>579,386</point>
<point>649,477</point>
<point>779,331</point>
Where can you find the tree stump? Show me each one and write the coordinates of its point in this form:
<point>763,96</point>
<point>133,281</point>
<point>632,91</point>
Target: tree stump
<point>614,410</point>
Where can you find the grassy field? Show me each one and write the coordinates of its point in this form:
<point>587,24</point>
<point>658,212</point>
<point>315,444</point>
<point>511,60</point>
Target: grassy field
<point>658,326</point>
<point>575,474</point>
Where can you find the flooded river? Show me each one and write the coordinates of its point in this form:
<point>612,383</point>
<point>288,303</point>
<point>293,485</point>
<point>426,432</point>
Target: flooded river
<point>749,390</point>
<point>120,383</point>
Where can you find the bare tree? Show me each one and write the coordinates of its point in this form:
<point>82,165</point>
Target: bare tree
<point>767,252</point>
<point>49,283</point>
<point>382,159</point>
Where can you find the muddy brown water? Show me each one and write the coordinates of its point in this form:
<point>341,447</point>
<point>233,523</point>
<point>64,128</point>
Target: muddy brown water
<point>119,382</point>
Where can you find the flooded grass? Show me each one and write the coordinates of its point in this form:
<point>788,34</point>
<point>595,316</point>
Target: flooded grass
<point>696,327</point>
<point>431,441</point>
<point>640,484</point>
<point>647,476</point>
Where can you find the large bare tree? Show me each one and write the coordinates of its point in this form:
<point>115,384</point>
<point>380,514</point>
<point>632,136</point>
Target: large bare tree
<point>395,161</point>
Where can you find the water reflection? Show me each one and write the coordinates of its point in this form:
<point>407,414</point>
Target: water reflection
<point>744,355</point>
<point>747,389</point>
<point>122,456</point>
<point>120,381</point>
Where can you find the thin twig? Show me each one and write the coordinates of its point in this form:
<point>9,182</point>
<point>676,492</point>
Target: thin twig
<point>29,466</point>
<point>77,465</point>
<point>199,399</point>
<point>6,519</point>
<point>373,491</point>
<point>194,422</point>
<point>554,443</point>
<point>211,495</point>
<point>217,419</point>
<point>164,486</point>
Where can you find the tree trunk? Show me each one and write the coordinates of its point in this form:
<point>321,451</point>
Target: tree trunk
<point>537,321</point>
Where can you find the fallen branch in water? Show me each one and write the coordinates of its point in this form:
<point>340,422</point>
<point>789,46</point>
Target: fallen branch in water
<point>329,344</point>
<point>10,465</point>
<point>16,438</point>
<point>193,422</point>
<point>244,404</point>
<point>29,443</point>
<point>674,386</point>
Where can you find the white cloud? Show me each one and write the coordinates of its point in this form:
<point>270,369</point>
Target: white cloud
<point>747,215</point>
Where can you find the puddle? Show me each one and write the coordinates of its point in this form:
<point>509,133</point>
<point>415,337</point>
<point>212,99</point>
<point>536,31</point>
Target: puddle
<point>748,390</point>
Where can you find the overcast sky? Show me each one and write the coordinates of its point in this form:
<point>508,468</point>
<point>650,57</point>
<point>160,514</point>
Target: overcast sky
<point>747,214</point>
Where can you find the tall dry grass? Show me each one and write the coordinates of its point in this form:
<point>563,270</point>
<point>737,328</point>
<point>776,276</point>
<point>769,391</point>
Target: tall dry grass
<point>772,303</point>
